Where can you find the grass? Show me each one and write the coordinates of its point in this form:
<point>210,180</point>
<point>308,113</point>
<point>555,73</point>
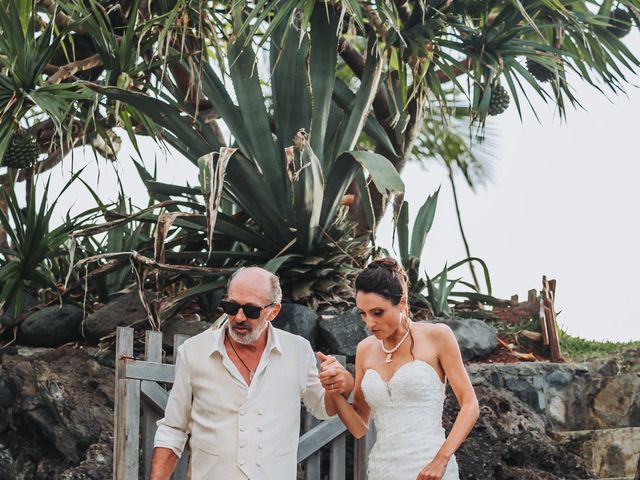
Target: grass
<point>575,349</point>
<point>578,349</point>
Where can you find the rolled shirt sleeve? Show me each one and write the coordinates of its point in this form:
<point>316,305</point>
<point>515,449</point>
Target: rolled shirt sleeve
<point>313,391</point>
<point>173,429</point>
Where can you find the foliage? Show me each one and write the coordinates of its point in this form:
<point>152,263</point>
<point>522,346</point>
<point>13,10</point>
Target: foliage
<point>579,349</point>
<point>287,183</point>
<point>30,260</point>
<point>435,293</point>
<point>264,74</point>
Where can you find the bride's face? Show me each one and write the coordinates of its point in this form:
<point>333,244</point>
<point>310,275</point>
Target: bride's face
<point>381,317</point>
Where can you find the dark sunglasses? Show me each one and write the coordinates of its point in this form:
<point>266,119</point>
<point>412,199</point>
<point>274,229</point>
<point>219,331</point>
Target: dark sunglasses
<point>250,311</point>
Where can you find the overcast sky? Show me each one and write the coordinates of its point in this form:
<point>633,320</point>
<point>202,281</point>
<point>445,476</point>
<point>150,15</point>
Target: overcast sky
<point>562,203</point>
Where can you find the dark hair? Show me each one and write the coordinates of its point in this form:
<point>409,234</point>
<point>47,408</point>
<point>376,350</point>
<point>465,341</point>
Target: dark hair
<point>386,277</point>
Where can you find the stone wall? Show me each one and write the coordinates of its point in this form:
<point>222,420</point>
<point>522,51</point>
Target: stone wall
<point>538,420</point>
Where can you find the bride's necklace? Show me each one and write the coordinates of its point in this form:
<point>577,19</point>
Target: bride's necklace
<point>393,350</point>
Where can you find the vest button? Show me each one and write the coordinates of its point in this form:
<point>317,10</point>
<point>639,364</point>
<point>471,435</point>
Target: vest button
<point>242,412</point>
<point>243,444</point>
<point>258,463</point>
<point>241,462</point>
<point>241,428</point>
<point>260,411</point>
<point>259,446</point>
<point>260,429</point>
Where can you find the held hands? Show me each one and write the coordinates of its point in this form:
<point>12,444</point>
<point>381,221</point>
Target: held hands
<point>434,470</point>
<point>335,379</point>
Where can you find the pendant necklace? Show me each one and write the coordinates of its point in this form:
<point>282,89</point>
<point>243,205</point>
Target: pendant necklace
<point>251,372</point>
<point>393,350</point>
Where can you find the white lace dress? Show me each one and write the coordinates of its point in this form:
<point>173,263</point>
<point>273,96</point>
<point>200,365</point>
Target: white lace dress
<point>407,412</point>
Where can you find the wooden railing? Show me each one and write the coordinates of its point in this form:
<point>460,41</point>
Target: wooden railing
<point>140,400</point>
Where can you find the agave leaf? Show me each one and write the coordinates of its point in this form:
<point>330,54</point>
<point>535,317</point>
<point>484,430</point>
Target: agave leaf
<point>357,117</point>
<point>402,231</point>
<point>422,225</point>
<point>343,171</point>
<point>290,86</point>
<point>308,192</point>
<point>322,71</point>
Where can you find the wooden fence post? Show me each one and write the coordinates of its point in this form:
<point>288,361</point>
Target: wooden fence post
<point>127,412</point>
<point>153,353</point>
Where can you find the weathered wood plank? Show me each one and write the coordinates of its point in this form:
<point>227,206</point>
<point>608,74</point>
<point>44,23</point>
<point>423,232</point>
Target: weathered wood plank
<point>124,350</point>
<point>338,458</point>
<point>129,441</point>
<point>313,462</point>
<point>155,396</point>
<point>178,340</point>
<point>156,372</point>
<point>150,415</point>
<point>318,437</point>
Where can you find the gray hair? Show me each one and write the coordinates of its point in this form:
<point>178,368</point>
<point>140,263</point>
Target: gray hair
<point>274,282</point>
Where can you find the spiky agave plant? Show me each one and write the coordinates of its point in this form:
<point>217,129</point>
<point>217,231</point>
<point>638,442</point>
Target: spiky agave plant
<point>295,154</point>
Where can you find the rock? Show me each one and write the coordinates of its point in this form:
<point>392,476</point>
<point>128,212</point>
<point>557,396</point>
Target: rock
<point>612,452</point>
<point>341,334</point>
<point>51,326</point>
<point>299,320</point>
<point>180,325</point>
<point>7,318</point>
<point>475,338</point>
<point>510,441</point>
<point>121,312</point>
<point>616,400</point>
<point>60,424</point>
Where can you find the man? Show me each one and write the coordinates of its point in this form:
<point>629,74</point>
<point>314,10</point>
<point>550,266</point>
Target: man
<point>238,388</point>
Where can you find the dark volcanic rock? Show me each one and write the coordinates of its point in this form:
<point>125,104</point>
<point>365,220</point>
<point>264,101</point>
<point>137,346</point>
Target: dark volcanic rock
<point>341,334</point>
<point>51,326</point>
<point>299,320</point>
<point>475,338</point>
<point>7,318</point>
<point>58,411</point>
<point>122,312</point>
<point>509,442</point>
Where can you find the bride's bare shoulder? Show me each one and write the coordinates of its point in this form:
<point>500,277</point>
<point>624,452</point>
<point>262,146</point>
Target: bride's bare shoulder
<point>434,332</point>
<point>366,343</point>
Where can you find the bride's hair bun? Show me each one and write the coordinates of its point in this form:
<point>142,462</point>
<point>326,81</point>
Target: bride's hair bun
<point>386,277</point>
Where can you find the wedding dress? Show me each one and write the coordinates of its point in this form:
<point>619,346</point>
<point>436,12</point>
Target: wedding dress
<point>407,412</point>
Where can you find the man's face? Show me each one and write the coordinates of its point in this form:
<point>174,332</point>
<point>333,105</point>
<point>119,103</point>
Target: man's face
<point>246,289</point>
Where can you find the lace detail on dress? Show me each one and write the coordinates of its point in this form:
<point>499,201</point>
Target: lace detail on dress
<point>407,412</point>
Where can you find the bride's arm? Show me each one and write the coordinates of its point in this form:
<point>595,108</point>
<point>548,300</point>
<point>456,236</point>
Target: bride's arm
<point>355,417</point>
<point>451,361</point>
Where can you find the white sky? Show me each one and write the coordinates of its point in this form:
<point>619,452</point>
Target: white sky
<point>560,204</point>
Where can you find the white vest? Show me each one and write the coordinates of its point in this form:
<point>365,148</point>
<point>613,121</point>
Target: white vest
<point>233,438</point>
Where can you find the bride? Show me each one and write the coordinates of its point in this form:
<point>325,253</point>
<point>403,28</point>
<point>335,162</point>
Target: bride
<point>401,374</point>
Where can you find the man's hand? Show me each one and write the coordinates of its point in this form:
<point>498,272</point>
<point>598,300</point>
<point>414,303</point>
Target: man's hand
<point>334,377</point>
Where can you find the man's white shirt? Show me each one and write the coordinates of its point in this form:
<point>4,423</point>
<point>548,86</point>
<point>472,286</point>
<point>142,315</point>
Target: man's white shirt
<point>241,431</point>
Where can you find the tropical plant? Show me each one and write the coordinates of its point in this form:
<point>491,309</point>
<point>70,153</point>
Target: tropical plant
<point>191,76</point>
<point>434,293</point>
<point>30,262</point>
<point>293,157</point>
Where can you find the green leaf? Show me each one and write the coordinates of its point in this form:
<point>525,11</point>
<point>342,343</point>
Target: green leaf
<point>422,225</point>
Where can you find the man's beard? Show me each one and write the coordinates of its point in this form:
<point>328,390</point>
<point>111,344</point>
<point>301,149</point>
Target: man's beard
<point>252,335</point>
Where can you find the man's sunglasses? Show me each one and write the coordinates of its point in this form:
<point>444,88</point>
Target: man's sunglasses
<point>250,311</point>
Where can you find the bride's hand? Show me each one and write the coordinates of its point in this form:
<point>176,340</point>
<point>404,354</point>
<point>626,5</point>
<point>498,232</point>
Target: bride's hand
<point>334,377</point>
<point>434,470</point>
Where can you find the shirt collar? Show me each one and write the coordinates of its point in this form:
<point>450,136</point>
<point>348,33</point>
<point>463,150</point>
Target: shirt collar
<point>273,339</point>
